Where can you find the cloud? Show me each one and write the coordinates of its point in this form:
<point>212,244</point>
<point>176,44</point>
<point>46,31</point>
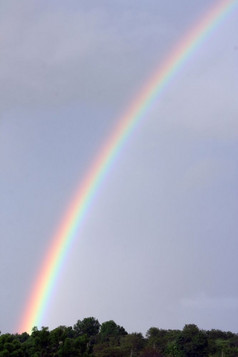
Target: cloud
<point>61,56</point>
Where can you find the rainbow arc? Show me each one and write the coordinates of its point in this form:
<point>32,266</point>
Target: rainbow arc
<point>69,227</point>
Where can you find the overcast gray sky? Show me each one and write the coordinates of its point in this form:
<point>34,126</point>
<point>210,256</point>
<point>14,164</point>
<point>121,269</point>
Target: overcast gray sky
<point>159,245</point>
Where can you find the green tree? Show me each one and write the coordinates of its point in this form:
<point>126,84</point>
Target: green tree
<point>172,350</point>
<point>157,339</point>
<point>58,336</point>
<point>88,326</point>
<point>103,350</point>
<point>111,329</point>
<point>133,344</point>
<point>222,346</point>
<point>192,342</point>
<point>40,339</point>
<point>67,349</point>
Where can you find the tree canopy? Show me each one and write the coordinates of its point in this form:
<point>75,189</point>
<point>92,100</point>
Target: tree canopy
<point>89,338</point>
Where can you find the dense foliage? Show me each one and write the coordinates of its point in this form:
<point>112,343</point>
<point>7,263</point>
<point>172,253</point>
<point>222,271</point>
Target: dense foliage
<point>89,338</point>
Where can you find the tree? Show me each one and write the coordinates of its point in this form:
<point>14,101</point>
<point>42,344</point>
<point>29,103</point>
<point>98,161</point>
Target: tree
<point>40,339</point>
<point>58,336</point>
<point>88,326</point>
<point>192,342</point>
<point>157,339</point>
<point>133,344</point>
<point>111,329</point>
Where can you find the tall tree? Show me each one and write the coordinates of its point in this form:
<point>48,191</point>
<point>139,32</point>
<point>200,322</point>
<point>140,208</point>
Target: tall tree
<point>192,342</point>
<point>88,326</point>
<point>111,329</point>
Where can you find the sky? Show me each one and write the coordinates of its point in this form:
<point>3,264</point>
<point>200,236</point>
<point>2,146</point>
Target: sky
<point>158,246</point>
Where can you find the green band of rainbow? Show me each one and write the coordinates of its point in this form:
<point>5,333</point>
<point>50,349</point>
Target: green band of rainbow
<point>75,215</point>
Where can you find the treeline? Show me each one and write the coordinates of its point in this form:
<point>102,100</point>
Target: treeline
<point>89,338</point>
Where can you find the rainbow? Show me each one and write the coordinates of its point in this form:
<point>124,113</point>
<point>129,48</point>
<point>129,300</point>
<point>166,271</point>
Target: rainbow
<point>75,215</point>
